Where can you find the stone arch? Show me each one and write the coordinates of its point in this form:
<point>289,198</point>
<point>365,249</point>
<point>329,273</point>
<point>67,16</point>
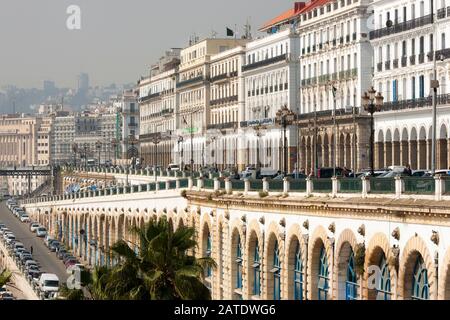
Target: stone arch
<point>413,248</point>
<point>318,240</point>
<point>294,238</point>
<point>254,237</point>
<point>345,247</point>
<point>273,238</point>
<point>377,247</point>
<point>444,278</point>
<point>236,235</point>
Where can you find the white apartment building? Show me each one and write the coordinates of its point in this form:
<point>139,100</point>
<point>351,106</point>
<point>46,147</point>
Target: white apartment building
<point>129,129</point>
<point>227,107</point>
<point>407,37</point>
<point>194,90</point>
<point>335,71</point>
<point>271,81</point>
<point>158,105</point>
<point>62,139</point>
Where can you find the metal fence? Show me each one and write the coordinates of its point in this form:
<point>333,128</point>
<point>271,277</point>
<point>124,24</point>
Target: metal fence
<point>322,185</point>
<point>419,185</point>
<point>298,185</point>
<point>382,185</point>
<point>350,185</point>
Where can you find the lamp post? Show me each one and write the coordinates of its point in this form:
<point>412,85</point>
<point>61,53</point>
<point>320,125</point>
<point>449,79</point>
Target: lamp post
<point>85,148</point>
<point>372,103</point>
<point>98,145</point>
<point>114,144</point>
<point>181,154</point>
<point>285,117</point>
<point>131,153</point>
<point>75,150</point>
<point>156,139</point>
<point>259,133</point>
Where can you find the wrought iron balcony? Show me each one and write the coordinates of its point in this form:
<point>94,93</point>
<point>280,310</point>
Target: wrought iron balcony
<point>395,63</point>
<point>412,60</point>
<point>415,103</point>
<point>441,13</point>
<point>334,42</point>
<point>401,27</point>
<point>341,40</point>
<point>404,61</point>
<point>222,126</point>
<point>443,54</point>
<point>190,81</point>
<point>347,38</point>
<point>380,66</point>
<point>224,100</point>
<point>421,57</point>
<point>430,56</point>
<point>354,36</point>
<point>387,65</point>
<point>266,62</point>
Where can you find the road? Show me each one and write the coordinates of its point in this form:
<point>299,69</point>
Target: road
<point>47,260</point>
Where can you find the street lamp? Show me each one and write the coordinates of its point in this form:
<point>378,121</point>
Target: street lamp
<point>85,147</point>
<point>75,150</point>
<point>180,141</point>
<point>285,117</point>
<point>114,145</point>
<point>156,139</point>
<point>259,133</point>
<point>372,103</point>
<point>98,145</point>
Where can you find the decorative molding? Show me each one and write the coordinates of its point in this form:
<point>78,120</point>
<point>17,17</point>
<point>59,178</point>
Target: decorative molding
<point>396,233</point>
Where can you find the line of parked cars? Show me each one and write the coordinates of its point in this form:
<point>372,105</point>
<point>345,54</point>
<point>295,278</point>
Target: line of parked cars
<point>46,285</point>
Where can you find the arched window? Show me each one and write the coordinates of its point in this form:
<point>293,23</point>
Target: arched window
<point>351,285</point>
<point>239,265</point>
<point>298,275</point>
<point>421,288</point>
<point>384,284</point>
<point>323,284</point>
<point>276,270</point>
<point>256,271</point>
<point>208,254</point>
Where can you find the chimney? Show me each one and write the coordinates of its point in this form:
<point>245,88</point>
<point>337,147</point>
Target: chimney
<point>299,6</point>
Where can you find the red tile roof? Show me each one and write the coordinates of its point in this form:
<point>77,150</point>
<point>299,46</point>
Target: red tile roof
<point>299,8</point>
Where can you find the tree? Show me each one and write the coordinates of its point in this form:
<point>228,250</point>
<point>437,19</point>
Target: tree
<point>5,277</point>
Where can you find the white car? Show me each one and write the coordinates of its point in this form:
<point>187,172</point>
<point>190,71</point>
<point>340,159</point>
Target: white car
<point>25,218</point>
<point>173,167</point>
<point>3,231</point>
<point>41,232</point>
<point>48,283</point>
<point>34,226</point>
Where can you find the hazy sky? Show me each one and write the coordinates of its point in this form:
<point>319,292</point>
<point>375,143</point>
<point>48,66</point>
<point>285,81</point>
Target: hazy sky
<point>118,39</point>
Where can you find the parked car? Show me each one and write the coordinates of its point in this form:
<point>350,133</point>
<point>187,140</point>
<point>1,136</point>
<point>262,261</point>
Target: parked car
<point>48,283</point>
<point>10,239</point>
<point>67,257</point>
<point>6,296</point>
<point>61,253</point>
<point>41,232</point>
<point>34,226</point>
<point>25,218</point>
<point>70,262</point>
<point>173,167</point>
<point>54,246</point>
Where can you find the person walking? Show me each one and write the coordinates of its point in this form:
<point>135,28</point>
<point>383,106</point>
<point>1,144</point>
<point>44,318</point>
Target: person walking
<point>31,250</point>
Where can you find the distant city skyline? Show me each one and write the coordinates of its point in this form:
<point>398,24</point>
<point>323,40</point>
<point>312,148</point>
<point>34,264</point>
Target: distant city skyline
<point>118,40</point>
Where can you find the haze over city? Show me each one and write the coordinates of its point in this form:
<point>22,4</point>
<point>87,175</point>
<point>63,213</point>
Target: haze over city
<point>118,40</point>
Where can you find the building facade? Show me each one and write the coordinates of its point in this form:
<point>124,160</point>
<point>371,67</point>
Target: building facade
<point>158,104</point>
<point>409,42</point>
<point>194,88</point>
<point>227,108</point>
<point>271,81</point>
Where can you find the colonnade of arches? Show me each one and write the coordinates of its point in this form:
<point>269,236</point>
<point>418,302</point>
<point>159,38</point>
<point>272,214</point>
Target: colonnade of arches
<point>413,146</point>
<point>278,262</point>
<point>347,154</point>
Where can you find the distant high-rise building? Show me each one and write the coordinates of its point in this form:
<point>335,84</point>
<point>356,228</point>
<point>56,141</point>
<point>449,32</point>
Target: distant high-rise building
<point>49,87</point>
<point>83,82</point>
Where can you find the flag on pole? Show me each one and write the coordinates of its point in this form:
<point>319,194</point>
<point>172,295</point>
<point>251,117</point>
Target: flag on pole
<point>230,33</point>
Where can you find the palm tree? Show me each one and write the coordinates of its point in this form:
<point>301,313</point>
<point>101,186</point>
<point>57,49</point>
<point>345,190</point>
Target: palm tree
<point>162,269</point>
<point>5,276</point>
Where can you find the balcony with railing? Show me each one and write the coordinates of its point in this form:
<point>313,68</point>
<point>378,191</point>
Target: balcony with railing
<point>443,54</point>
<point>395,63</point>
<point>264,63</point>
<point>404,61</point>
<point>441,13</point>
<point>224,76</point>
<point>415,103</point>
<point>380,66</point>
<point>401,27</point>
<point>387,65</point>
<point>421,57</point>
<point>224,100</point>
<point>190,81</point>
<point>430,56</point>
<point>222,126</point>
<point>412,60</point>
